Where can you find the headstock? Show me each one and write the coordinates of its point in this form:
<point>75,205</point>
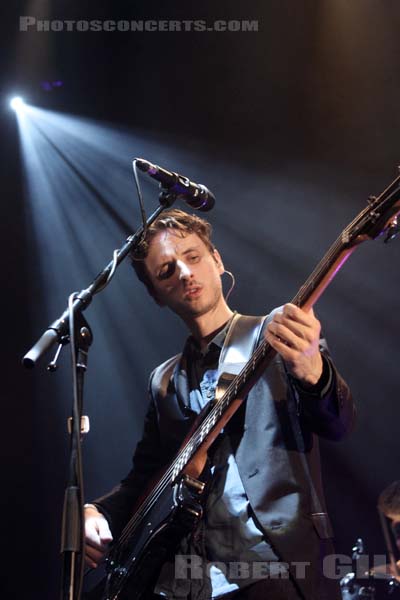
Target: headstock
<point>378,218</point>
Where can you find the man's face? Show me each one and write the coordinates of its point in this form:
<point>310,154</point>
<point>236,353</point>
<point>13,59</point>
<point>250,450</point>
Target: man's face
<point>185,275</point>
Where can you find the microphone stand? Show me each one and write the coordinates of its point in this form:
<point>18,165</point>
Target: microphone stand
<point>72,327</point>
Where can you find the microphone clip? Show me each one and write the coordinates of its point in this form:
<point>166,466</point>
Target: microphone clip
<point>166,197</point>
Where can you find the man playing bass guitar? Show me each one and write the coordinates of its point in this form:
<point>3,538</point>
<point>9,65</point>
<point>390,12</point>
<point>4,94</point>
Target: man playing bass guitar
<point>264,532</point>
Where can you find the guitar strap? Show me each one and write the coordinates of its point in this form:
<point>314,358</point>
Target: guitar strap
<point>240,341</point>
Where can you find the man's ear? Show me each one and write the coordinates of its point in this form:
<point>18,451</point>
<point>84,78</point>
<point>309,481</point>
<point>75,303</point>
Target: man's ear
<point>218,260</point>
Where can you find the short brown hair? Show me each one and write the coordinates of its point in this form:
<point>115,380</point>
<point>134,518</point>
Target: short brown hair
<point>183,224</point>
<point>389,499</point>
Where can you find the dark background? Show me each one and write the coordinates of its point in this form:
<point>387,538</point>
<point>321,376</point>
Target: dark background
<point>292,127</point>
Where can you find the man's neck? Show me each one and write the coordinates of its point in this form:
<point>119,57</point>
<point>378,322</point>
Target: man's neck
<point>205,327</point>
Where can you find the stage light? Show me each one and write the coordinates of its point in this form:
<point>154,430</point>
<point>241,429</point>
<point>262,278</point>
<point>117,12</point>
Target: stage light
<point>17,103</point>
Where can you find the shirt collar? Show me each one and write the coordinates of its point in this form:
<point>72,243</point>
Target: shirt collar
<point>218,341</point>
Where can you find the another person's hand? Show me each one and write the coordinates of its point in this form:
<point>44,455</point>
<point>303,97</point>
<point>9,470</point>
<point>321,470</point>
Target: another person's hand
<point>294,334</point>
<point>97,536</point>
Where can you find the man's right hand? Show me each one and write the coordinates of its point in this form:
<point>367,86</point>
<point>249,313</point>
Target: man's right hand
<point>97,536</point>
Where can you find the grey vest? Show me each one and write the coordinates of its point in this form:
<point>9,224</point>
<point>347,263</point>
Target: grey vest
<point>277,457</point>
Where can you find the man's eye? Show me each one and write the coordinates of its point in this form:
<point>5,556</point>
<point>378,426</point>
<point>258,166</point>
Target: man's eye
<point>167,271</point>
<point>193,257</point>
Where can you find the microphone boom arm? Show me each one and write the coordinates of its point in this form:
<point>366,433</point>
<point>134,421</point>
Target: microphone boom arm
<point>58,331</point>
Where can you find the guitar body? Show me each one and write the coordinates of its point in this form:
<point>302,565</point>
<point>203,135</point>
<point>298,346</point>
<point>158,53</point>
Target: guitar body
<point>133,569</point>
<point>133,566</point>
<point>170,511</point>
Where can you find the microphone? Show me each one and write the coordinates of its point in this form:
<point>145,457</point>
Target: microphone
<point>195,195</point>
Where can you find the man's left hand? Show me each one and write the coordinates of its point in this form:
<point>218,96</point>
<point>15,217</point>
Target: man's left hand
<point>294,334</point>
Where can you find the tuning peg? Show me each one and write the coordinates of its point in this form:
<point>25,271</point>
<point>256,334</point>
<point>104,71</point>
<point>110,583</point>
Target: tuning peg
<point>393,230</point>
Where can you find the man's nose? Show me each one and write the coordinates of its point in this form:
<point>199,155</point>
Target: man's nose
<point>183,269</point>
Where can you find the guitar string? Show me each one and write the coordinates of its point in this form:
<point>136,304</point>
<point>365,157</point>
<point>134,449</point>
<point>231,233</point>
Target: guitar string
<point>234,386</point>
